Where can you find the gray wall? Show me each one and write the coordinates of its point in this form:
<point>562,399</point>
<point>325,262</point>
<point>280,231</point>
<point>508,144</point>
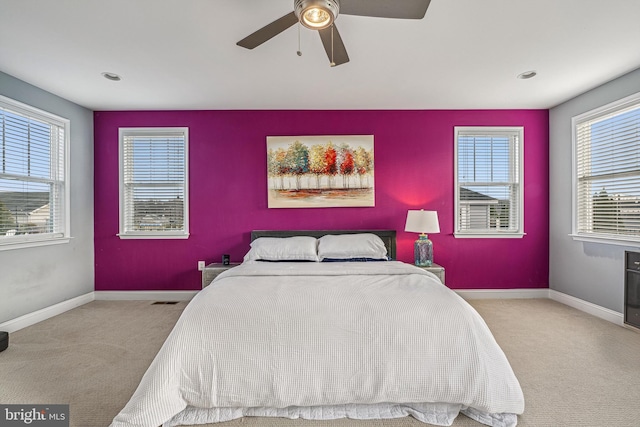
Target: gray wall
<point>35,278</point>
<point>593,272</point>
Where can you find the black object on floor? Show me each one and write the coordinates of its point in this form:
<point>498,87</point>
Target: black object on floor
<point>4,340</point>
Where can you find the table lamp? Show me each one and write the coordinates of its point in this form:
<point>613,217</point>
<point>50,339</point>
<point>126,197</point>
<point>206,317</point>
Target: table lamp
<point>422,222</point>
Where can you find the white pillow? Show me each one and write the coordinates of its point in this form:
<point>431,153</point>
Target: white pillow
<point>298,248</point>
<point>351,246</point>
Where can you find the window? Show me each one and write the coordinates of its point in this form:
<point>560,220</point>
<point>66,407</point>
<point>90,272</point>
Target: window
<point>488,182</point>
<point>154,202</point>
<point>34,197</point>
<point>606,197</point>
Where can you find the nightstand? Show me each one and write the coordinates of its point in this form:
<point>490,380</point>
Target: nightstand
<point>211,271</point>
<point>436,269</point>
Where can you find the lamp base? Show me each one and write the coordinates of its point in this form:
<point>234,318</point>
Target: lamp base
<point>423,251</point>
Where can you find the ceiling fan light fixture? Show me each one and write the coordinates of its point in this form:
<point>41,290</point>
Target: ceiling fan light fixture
<point>316,14</point>
<point>316,18</point>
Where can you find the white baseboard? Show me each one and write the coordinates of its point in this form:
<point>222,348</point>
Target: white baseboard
<point>577,303</point>
<point>48,312</point>
<point>587,307</point>
<point>45,313</point>
<point>502,293</point>
<point>144,295</point>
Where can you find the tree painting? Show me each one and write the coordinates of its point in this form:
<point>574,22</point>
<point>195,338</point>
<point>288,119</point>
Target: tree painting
<point>330,165</point>
<point>346,165</point>
<point>320,171</point>
<point>363,162</point>
<point>298,160</point>
<point>317,163</point>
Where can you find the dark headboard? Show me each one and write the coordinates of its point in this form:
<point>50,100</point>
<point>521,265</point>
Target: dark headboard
<point>387,236</point>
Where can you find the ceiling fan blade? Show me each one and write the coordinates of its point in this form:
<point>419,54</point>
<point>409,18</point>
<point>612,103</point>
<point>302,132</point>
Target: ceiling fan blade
<point>336,51</point>
<point>268,31</point>
<point>402,9</point>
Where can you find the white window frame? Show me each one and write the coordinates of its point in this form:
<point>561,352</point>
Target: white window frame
<point>611,108</point>
<point>141,234</point>
<point>63,233</point>
<point>490,234</point>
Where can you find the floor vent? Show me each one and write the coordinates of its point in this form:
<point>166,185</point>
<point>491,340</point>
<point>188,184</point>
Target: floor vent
<point>164,302</point>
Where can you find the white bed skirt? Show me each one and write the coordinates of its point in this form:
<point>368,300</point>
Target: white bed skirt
<point>439,414</point>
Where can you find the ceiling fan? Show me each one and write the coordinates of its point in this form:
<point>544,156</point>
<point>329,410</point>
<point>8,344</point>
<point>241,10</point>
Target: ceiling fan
<point>320,15</point>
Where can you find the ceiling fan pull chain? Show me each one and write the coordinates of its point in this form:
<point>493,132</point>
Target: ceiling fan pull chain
<point>333,64</point>
<point>299,52</point>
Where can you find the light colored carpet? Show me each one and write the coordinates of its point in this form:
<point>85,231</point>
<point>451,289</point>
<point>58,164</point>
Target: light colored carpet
<point>575,369</point>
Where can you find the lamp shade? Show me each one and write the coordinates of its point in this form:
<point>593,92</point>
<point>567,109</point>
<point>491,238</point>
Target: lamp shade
<point>422,222</point>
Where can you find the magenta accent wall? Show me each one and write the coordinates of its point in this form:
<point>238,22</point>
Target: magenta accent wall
<point>227,160</point>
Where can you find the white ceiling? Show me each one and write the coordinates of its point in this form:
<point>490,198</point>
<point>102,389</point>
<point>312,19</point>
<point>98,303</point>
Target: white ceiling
<point>182,54</point>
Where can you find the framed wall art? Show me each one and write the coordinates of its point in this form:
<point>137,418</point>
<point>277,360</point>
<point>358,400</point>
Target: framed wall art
<point>320,171</point>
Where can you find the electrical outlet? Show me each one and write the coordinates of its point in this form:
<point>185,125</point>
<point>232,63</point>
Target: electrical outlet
<point>200,265</point>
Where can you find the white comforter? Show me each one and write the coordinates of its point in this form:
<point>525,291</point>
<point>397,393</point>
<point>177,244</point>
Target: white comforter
<point>323,341</point>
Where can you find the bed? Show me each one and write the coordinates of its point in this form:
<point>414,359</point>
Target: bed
<point>325,325</point>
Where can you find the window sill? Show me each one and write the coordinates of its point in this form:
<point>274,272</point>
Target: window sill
<point>22,244</point>
<point>610,240</point>
<point>489,235</point>
<point>156,236</point>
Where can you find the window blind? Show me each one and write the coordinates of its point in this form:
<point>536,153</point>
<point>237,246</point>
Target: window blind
<point>153,178</point>
<point>488,181</point>
<point>607,168</point>
<point>32,174</point>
